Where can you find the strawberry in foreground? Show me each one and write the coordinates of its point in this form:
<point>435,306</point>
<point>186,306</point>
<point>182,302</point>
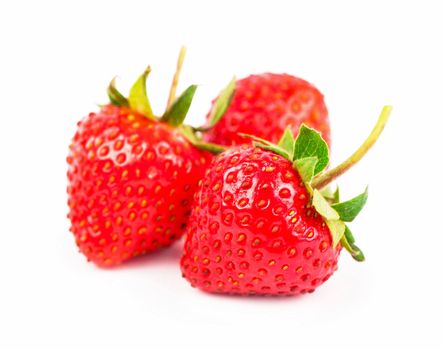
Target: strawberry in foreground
<point>132,176</point>
<point>263,222</point>
<point>264,105</point>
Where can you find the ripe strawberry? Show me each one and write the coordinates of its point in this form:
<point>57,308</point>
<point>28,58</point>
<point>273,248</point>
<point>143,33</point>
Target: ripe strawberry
<point>132,177</point>
<point>264,105</point>
<point>259,223</point>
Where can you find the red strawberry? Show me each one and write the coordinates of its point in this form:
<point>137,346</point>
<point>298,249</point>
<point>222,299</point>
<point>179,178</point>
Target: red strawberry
<point>260,225</point>
<point>132,177</point>
<point>264,105</point>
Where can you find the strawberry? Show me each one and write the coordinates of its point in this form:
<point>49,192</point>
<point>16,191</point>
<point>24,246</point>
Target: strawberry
<point>263,105</point>
<point>132,176</point>
<point>262,221</point>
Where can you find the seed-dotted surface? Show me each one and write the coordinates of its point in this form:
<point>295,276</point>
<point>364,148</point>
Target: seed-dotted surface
<point>131,182</point>
<point>264,105</point>
<point>252,230</point>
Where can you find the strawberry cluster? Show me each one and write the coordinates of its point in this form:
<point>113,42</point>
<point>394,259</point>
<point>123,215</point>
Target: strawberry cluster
<point>249,189</point>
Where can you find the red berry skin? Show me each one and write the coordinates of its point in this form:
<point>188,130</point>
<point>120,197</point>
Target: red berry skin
<point>264,105</point>
<point>252,230</point>
<point>131,184</point>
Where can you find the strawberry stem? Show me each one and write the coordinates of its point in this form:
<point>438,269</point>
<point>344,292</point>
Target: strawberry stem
<point>324,179</point>
<point>173,90</point>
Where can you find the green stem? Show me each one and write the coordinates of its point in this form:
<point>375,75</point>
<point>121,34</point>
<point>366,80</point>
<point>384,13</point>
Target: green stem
<point>173,90</point>
<point>323,180</point>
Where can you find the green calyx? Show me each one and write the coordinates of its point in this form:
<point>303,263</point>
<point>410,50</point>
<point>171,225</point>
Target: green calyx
<point>176,113</point>
<point>190,134</point>
<point>309,155</point>
<point>222,103</point>
<point>116,98</point>
<point>220,106</point>
<point>138,97</point>
<point>138,101</point>
<point>177,108</point>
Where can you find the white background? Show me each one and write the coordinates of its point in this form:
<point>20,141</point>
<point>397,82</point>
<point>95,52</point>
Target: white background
<point>56,60</point>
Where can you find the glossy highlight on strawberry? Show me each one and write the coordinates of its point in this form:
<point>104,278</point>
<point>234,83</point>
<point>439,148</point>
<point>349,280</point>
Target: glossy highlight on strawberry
<point>264,105</point>
<point>253,230</point>
<point>131,184</point>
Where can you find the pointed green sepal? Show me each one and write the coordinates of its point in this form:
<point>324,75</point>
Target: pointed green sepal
<point>347,241</point>
<point>350,209</point>
<point>271,148</point>
<point>327,193</point>
<point>323,207</point>
<point>305,168</point>
<point>115,96</point>
<point>337,195</point>
<point>287,142</point>
<point>309,143</point>
<point>138,98</point>
<point>349,236</point>
<point>337,229</point>
<point>331,196</point>
<point>222,103</point>
<point>188,132</point>
<point>264,144</point>
<point>210,147</point>
<point>175,115</point>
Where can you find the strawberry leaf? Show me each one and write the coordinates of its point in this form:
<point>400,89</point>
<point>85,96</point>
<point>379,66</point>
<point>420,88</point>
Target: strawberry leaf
<point>347,241</point>
<point>337,229</point>
<point>323,207</point>
<point>222,103</point>
<point>309,143</point>
<point>175,115</point>
<point>287,142</point>
<point>116,98</point>
<point>349,210</point>
<point>305,168</point>
<point>138,99</point>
